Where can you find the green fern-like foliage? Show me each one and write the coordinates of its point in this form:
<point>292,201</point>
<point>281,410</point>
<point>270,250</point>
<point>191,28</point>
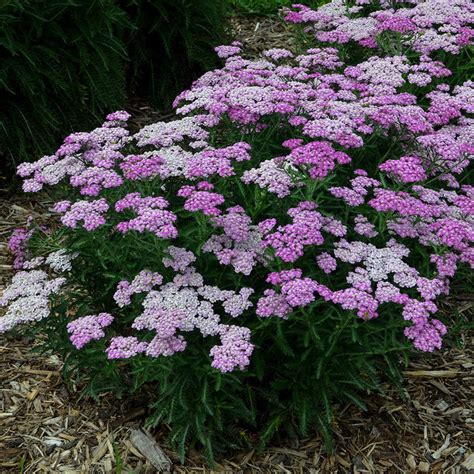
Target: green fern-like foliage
<point>171,42</point>
<point>61,67</point>
<point>301,368</point>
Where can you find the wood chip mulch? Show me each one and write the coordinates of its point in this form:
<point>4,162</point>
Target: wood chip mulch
<point>260,33</point>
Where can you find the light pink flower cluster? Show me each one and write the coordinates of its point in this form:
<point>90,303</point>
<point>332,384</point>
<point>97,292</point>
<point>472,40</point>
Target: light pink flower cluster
<point>97,149</point>
<point>241,244</point>
<point>227,51</point>
<point>91,213</point>
<point>271,175</point>
<point>143,282</point>
<point>235,349</point>
<point>151,215</point>
<point>125,347</point>
<point>88,328</point>
<point>295,291</point>
<point>182,305</point>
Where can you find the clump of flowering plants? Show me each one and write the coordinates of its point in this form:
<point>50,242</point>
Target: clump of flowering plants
<point>282,243</point>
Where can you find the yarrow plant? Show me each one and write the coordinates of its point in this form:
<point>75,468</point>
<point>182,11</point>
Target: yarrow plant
<point>282,243</point>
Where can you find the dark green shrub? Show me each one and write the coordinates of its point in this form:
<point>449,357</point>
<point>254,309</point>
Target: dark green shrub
<point>61,66</point>
<point>170,42</point>
<point>269,7</point>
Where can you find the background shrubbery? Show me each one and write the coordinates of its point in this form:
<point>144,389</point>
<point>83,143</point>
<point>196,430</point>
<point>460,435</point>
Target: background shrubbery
<point>63,64</point>
<point>266,7</point>
<point>170,42</point>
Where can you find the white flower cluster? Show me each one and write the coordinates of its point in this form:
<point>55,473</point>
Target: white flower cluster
<point>59,261</point>
<point>27,298</point>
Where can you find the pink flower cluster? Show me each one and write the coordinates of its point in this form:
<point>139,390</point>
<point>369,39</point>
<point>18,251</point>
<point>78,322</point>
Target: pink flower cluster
<point>319,158</point>
<point>88,328</point>
<point>199,198</point>
<point>295,292</point>
<point>241,245</point>
<point>151,216</point>
<point>91,213</point>
<point>289,241</point>
<point>182,305</point>
<point>136,167</point>
<point>92,180</point>
<point>408,169</point>
<point>431,25</point>
<point>218,161</point>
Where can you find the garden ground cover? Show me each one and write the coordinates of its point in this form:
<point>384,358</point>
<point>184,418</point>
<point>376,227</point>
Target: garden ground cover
<point>395,435</point>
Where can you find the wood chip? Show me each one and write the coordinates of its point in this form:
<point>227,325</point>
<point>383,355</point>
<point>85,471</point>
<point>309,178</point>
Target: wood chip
<point>468,463</point>
<point>431,373</point>
<point>437,454</point>
<point>411,461</point>
<point>145,443</point>
<point>424,466</point>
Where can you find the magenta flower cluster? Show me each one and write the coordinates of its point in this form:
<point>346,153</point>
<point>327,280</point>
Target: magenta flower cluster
<point>367,173</point>
<point>17,245</point>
